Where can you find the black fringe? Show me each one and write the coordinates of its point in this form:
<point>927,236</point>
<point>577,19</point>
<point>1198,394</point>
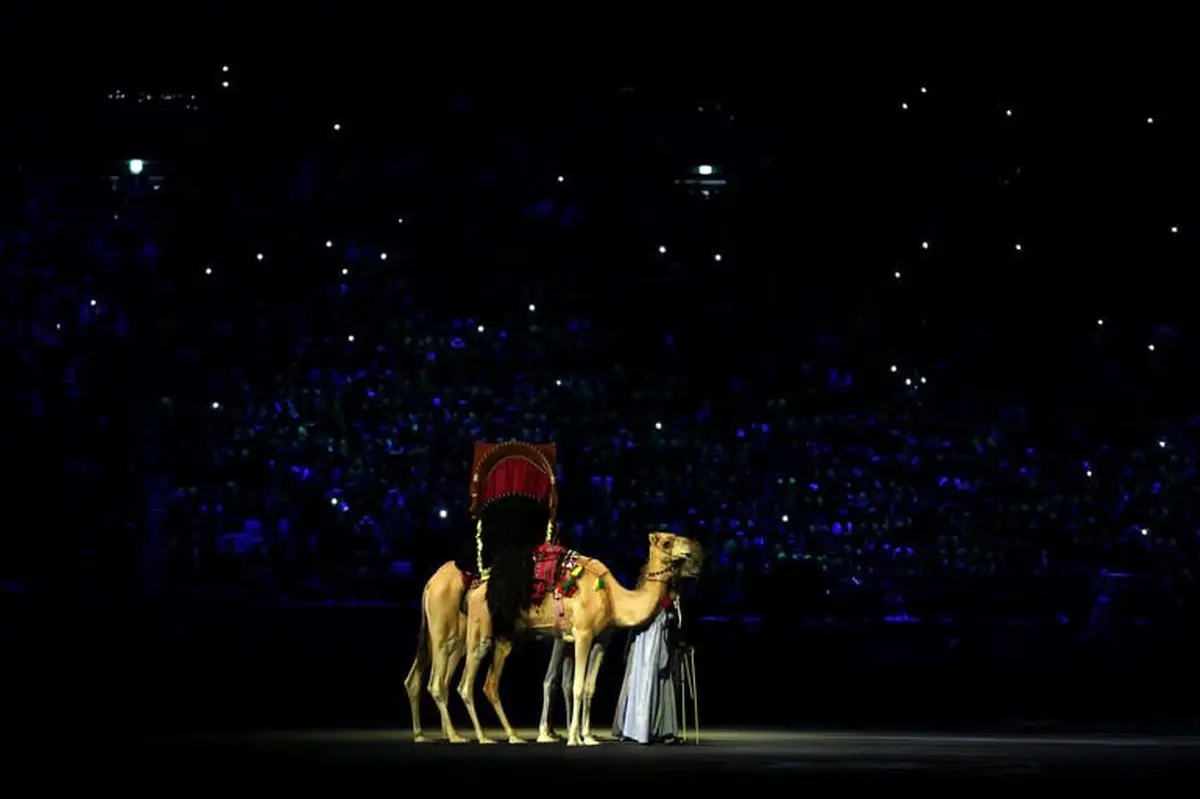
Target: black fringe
<point>509,590</point>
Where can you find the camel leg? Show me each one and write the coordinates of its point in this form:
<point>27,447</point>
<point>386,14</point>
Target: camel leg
<point>589,690</point>
<point>583,645</point>
<point>491,687</point>
<point>445,655</point>
<point>412,686</point>
<point>477,649</point>
<point>545,728</point>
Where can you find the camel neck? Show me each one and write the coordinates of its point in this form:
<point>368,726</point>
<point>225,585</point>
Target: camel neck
<point>633,608</point>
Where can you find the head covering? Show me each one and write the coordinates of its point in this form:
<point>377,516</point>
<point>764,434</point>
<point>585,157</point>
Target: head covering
<point>514,498</point>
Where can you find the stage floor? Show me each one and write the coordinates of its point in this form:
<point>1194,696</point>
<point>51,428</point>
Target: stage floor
<point>1101,759</point>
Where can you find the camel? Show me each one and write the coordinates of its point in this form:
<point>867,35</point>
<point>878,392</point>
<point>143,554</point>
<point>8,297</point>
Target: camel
<point>598,606</point>
<point>440,648</point>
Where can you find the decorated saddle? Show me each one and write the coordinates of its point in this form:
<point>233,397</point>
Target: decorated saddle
<point>514,499</point>
<point>557,569</point>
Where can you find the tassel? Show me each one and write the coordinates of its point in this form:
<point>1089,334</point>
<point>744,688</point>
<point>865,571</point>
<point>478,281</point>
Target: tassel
<point>479,547</point>
<point>550,531</point>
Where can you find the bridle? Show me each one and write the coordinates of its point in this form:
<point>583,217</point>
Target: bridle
<point>665,574</point>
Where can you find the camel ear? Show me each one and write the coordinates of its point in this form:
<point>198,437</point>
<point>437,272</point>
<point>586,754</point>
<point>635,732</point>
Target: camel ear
<point>653,539</point>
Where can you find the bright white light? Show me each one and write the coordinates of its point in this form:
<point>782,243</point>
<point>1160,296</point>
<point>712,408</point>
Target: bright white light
<point>922,90</point>
<point>561,178</point>
<point>383,256</point>
<point>532,307</point>
<point>1099,323</point>
<point>658,425</point>
<point>908,381</point>
<point>259,256</point>
<point>704,169</point>
<point>1162,444</point>
<point>922,381</point>
<point>784,518</point>
<point>903,106</point>
<point>1150,347</point>
<point>136,165</point>
<point>480,328</point>
<point>93,303</point>
<point>224,84</point>
<point>717,257</point>
<point>345,271</point>
<point>337,126</point>
<point>558,382</point>
<point>924,245</point>
<point>896,275</point>
<point>1145,531</point>
<point>350,339</point>
<point>662,250</point>
<point>216,406</point>
<point>1018,247</point>
<point>400,221</point>
<point>1088,472</point>
<point>1008,113</point>
<point>224,69</point>
<point>442,513</point>
<point>333,500</point>
<point>893,369</point>
<point>208,270</point>
<point>1174,229</point>
<point>1149,120</point>
<point>328,243</point>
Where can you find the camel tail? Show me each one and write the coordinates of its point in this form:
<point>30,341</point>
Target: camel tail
<point>509,590</point>
<point>424,656</point>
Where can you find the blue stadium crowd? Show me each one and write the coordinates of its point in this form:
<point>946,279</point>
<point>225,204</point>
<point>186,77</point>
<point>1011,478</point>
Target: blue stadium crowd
<point>294,403</point>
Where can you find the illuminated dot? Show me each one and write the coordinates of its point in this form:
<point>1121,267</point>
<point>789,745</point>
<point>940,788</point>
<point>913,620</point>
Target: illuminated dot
<point>383,256</point>
<point>784,518</point>
<point>1174,229</point>
<point>924,245</point>
<point>216,406</point>
<point>208,270</point>
<point>896,275</point>
<point>658,425</point>
<point>259,256</point>
<point>333,500</point>
<point>903,106</point>
<point>224,84</point>
<point>1099,323</point>
<point>1150,347</point>
<point>1162,444</point>
<point>1149,120</point>
<point>908,381</point>
<point>350,339</point>
<point>1018,247</point>
<point>345,271</point>
<point>922,381</point>
<point>328,243</point>
<point>558,382</point>
<point>1088,472</point>
<point>1008,113</point>
<point>561,178</point>
<point>532,307</point>
<point>442,513</point>
<point>93,303</point>
<point>224,69</point>
<point>58,326</point>
<point>922,90</point>
<point>480,328</point>
<point>136,165</point>
<point>717,257</point>
<point>337,126</point>
<point>893,369</point>
<point>662,250</point>
<point>400,221</point>
<point>1145,531</point>
<point>704,169</point>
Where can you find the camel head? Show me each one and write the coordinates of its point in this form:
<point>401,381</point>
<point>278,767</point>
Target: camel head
<point>683,555</point>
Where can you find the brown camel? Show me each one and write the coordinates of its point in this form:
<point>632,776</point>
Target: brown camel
<point>441,647</point>
<point>599,605</point>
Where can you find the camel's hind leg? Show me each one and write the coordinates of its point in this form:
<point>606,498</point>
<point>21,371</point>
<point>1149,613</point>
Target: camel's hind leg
<point>589,690</point>
<point>491,687</point>
<point>412,686</point>
<point>479,641</point>
<point>549,684</point>
<point>583,645</point>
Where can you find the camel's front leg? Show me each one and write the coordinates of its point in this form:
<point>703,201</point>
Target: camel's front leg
<point>589,690</point>
<point>491,687</point>
<point>477,649</point>
<point>583,645</point>
<point>545,728</point>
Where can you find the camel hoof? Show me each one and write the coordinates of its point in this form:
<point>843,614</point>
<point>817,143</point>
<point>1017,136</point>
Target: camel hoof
<point>516,739</point>
<point>419,738</point>
<point>590,741</point>
<point>547,738</point>
<point>456,739</point>
<point>573,742</point>
<point>485,741</point>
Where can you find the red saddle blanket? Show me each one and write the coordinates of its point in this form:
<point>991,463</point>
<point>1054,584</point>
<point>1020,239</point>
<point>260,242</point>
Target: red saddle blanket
<point>555,567</point>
